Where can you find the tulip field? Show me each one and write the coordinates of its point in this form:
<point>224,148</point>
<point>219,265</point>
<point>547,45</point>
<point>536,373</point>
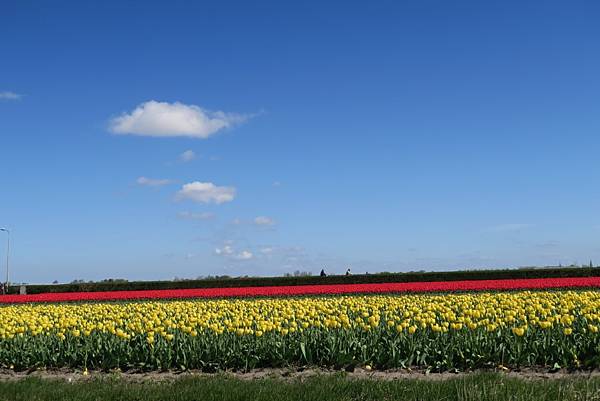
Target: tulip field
<point>299,290</point>
<point>434,331</point>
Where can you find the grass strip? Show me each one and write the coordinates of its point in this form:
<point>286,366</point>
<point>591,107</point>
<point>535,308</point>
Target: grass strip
<point>337,387</point>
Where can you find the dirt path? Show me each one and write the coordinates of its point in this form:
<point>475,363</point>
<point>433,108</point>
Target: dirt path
<point>287,374</point>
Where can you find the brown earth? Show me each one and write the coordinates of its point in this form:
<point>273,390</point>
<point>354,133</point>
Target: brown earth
<point>287,374</point>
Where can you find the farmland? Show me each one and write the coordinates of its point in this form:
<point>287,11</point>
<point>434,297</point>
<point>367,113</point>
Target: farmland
<point>107,341</point>
<point>437,332</point>
<point>323,289</point>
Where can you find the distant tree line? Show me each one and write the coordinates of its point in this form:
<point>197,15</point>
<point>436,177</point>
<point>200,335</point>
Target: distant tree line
<point>302,273</point>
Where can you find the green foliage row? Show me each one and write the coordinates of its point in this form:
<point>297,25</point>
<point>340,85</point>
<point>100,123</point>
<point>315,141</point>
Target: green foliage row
<point>335,348</point>
<point>311,280</point>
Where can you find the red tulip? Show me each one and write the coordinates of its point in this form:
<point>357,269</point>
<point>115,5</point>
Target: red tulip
<point>330,289</point>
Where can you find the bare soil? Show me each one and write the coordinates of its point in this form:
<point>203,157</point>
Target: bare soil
<point>288,374</point>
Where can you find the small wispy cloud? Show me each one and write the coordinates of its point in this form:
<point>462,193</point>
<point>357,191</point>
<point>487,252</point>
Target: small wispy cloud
<point>153,182</point>
<point>206,192</point>
<point>268,250</point>
<point>551,244</point>
<point>187,156</point>
<point>195,216</point>
<point>228,252</point>
<point>162,119</point>
<point>264,221</point>
<point>244,255</point>
<point>511,227</point>
<point>7,95</point>
<point>224,251</point>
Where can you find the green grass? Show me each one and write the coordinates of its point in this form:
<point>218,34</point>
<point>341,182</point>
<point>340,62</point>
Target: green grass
<point>475,387</point>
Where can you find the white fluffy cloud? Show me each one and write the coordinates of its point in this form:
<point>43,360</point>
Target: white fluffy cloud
<point>206,192</point>
<point>187,156</point>
<point>162,119</point>
<point>7,95</point>
<point>264,221</point>
<point>195,216</point>
<point>153,182</point>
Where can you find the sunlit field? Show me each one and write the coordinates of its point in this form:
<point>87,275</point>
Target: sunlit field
<point>436,332</point>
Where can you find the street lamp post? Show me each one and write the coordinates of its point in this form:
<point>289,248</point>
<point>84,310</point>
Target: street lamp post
<point>7,253</point>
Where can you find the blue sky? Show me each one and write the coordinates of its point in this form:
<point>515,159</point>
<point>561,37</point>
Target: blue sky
<point>150,140</point>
